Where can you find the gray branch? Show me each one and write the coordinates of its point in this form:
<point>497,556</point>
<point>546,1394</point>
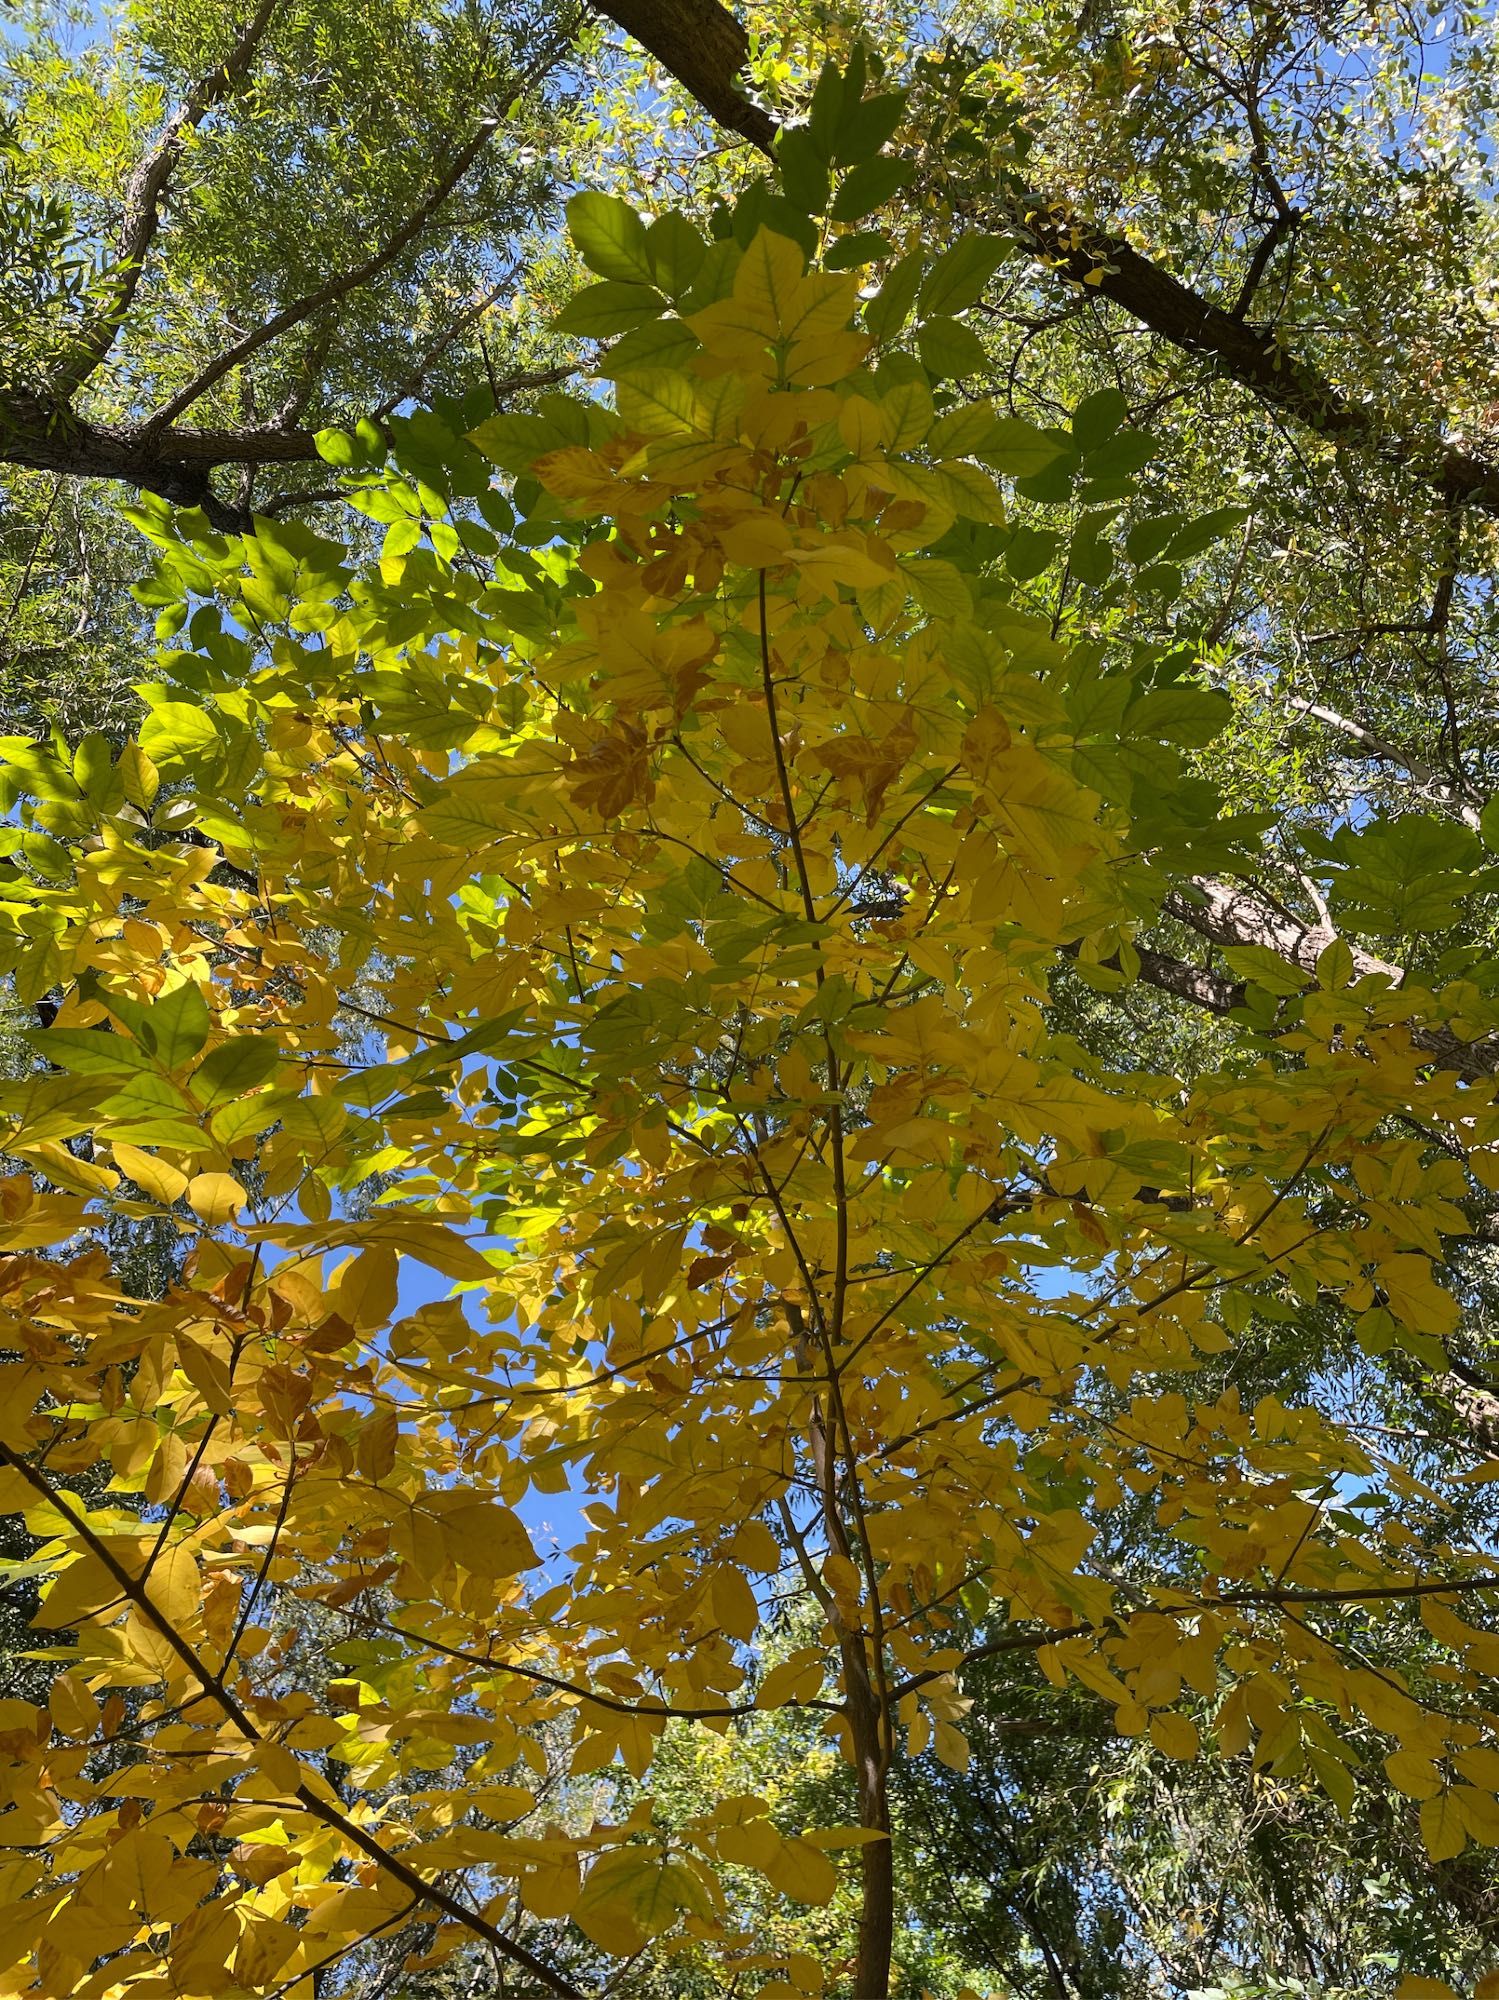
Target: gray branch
<point>142,206</point>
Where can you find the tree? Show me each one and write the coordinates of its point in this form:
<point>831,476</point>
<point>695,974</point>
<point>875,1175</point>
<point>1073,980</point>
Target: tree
<point>226,235</point>
<point>715,870</point>
<point>292,217</point>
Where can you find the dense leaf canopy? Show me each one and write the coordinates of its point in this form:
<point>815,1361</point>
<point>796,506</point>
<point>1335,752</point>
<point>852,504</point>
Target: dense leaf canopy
<point>849,941</point>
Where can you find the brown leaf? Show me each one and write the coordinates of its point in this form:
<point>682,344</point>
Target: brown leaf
<point>614,774</point>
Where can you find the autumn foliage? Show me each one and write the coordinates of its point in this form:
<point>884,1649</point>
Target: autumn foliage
<point>656,944</point>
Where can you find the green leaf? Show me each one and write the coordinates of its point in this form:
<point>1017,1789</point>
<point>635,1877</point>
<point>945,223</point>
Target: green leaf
<point>937,586</point>
<point>173,1028</point>
<point>1164,579</point>
<point>1110,468</point>
<point>94,771</point>
<point>40,772</point>
<point>1029,552</point>
<point>1187,716</point>
<point>826,108</point>
<point>1201,534</point>
<point>866,126</point>
<point>1097,417</point>
<point>234,1069</point>
<point>660,343</point>
<point>804,170</point>
<point>950,349</point>
<point>660,401</point>
<point>371,440</point>
<point>607,308</point>
<point>869,187</point>
<point>50,1107</point>
<point>88,1051</point>
<point>890,308</point>
<point>401,537</point>
<point>908,409</point>
<point>1090,558</point>
<point>336,447</point>
<point>1265,968</point>
<point>958,277</point>
<point>611,238</point>
<point>849,253</point>
<point>176,734</point>
<point>759,207</point>
<point>47,856</point>
<point>676,252</point>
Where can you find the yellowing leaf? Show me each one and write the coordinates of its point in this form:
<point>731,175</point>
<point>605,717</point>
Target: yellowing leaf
<point>159,1179</point>
<point>734,1604</point>
<point>1175,1734</point>
<point>215,1197</point>
<point>486,1538</point>
<point>1442,1830</point>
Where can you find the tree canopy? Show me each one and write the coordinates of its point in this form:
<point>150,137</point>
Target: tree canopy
<point>840,920</point>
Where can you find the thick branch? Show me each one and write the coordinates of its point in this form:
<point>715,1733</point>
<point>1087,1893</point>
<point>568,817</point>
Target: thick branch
<point>142,207</point>
<point>1212,991</point>
<point>703,47</point>
<point>176,462</point>
<point>1230,916</point>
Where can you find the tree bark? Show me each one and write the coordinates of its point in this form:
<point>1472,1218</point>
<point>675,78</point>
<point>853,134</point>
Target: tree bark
<point>704,47</point>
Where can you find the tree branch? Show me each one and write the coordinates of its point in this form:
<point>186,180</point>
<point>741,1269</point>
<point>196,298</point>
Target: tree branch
<point>1386,752</point>
<point>327,293</point>
<point>142,206</point>
<point>1226,915</point>
<point>176,463</point>
<point>704,47</point>
<point>133,1590</point>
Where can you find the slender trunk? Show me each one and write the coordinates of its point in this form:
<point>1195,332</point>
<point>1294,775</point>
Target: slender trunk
<point>877,1909</point>
<point>869,1729</point>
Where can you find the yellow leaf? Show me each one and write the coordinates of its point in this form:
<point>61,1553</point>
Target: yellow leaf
<point>804,1874</point>
<point>375,1444</point>
<point>798,1678</point>
<point>215,1197</point>
<point>485,1538</point>
<point>985,738</point>
<point>552,1881</point>
<point>734,1604</point>
<point>74,1710</point>
<point>756,1547</point>
<point>156,1176</point>
<point>1175,1735</point>
<point>1414,1775</point>
<point>1442,1828</point>
<point>366,1288</point>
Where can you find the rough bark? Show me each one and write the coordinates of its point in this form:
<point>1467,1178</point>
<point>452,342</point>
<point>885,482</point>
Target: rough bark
<point>704,47</point>
<point>176,463</point>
